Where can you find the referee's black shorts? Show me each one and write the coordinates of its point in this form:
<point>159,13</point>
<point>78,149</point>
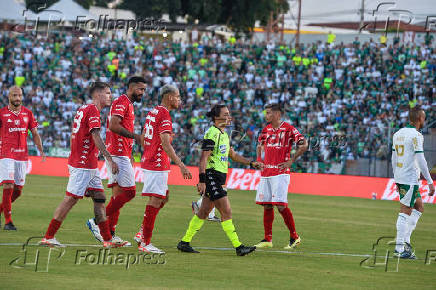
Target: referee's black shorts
<point>214,184</point>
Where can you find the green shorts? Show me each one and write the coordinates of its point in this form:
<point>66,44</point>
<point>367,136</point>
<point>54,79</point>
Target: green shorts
<point>408,194</point>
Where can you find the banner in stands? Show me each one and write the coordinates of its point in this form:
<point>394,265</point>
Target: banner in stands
<point>247,179</point>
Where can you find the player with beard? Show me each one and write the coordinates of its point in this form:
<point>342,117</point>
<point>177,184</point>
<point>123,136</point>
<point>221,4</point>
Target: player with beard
<point>15,123</point>
<point>119,142</point>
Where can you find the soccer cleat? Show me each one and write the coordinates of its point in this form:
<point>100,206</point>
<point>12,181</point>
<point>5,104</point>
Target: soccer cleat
<point>264,244</point>
<point>195,207</point>
<point>186,247</point>
<point>149,249</point>
<point>51,243</point>
<point>95,230</point>
<point>405,255</point>
<point>138,237</point>
<point>214,219</point>
<point>293,243</point>
<point>119,242</point>
<point>243,250</point>
<point>408,247</point>
<point>10,227</point>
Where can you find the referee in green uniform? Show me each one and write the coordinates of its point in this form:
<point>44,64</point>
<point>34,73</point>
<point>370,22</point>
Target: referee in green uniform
<point>213,169</point>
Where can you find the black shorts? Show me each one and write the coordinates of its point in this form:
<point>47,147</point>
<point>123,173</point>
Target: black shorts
<point>214,184</point>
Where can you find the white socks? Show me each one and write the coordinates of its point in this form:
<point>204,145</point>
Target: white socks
<point>413,220</point>
<point>402,231</point>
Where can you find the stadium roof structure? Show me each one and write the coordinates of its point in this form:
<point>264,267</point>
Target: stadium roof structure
<point>11,10</point>
<point>65,10</point>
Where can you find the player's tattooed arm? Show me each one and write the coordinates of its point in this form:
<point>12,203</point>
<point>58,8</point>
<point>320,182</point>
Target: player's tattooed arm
<point>38,142</point>
<point>116,127</point>
<point>241,159</point>
<point>102,148</point>
<point>302,146</point>
<point>259,149</point>
<point>169,150</point>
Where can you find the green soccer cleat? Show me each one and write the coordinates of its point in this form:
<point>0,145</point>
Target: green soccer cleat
<point>293,243</point>
<point>264,244</point>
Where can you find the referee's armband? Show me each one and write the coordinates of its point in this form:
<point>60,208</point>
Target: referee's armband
<point>208,145</point>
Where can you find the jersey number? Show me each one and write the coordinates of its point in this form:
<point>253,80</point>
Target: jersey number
<point>400,152</point>
<point>148,134</point>
<point>77,121</point>
<point>148,131</point>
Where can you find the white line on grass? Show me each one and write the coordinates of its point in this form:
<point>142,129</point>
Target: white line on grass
<point>219,249</point>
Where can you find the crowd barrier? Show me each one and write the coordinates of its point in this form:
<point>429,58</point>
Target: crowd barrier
<point>247,179</point>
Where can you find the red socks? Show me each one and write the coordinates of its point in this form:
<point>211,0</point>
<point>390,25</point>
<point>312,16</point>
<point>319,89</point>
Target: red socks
<point>52,229</point>
<point>115,204</point>
<point>6,204</point>
<point>148,223</point>
<point>268,218</point>
<point>104,230</point>
<point>16,194</point>
<point>289,221</point>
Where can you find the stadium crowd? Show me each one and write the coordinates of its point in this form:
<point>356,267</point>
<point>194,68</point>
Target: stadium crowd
<point>344,97</point>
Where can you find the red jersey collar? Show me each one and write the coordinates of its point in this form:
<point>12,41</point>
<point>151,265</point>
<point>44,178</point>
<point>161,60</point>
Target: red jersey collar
<point>15,113</point>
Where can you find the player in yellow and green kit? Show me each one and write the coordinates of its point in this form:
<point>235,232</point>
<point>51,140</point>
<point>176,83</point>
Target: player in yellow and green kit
<point>213,169</point>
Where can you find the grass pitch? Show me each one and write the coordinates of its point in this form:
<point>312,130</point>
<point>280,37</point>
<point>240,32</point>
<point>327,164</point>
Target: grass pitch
<point>336,232</point>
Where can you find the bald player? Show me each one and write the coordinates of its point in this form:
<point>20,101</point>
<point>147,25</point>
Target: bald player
<point>15,123</point>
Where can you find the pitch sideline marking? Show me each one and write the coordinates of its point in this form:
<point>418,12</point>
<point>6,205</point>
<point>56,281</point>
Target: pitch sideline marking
<point>220,249</point>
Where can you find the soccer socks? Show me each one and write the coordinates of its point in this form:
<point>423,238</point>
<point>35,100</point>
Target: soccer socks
<point>16,194</point>
<point>52,229</point>
<point>402,231</point>
<point>413,220</point>
<point>268,218</point>
<point>289,221</point>
<point>118,202</point>
<point>194,226</point>
<point>6,204</point>
<point>148,223</point>
<point>115,204</point>
<point>230,231</point>
<point>104,230</point>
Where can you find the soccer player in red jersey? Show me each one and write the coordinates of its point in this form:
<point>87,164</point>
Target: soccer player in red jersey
<point>276,141</point>
<point>119,142</point>
<point>15,123</point>
<point>82,164</point>
<point>157,136</point>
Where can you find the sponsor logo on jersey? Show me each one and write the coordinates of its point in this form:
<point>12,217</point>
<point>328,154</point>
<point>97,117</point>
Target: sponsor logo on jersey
<point>17,122</point>
<point>9,121</point>
<point>223,148</point>
<point>224,158</point>
<point>25,119</point>
<point>17,130</point>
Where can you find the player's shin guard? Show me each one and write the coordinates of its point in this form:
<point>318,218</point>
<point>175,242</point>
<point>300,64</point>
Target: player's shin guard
<point>413,220</point>
<point>230,231</point>
<point>148,223</point>
<point>194,226</point>
<point>6,204</point>
<point>52,229</point>
<point>104,230</point>
<point>268,218</point>
<point>402,230</point>
<point>289,221</point>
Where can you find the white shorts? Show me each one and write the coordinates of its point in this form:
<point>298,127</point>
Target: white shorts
<point>126,175</point>
<point>13,171</point>
<point>155,183</point>
<point>273,190</point>
<point>81,180</point>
